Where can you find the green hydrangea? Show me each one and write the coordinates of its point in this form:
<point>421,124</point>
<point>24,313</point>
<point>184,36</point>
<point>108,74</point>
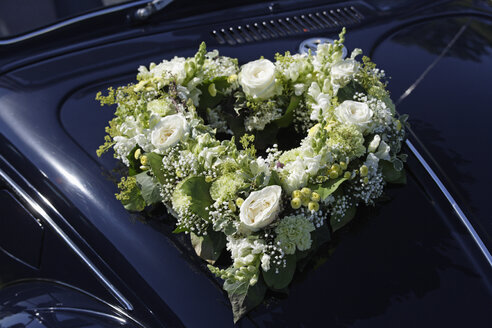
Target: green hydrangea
<point>345,141</point>
<point>180,201</point>
<point>226,187</point>
<point>294,231</point>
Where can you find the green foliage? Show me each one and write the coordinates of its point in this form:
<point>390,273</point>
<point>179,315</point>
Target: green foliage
<point>284,276</point>
<point>155,163</point>
<point>243,296</point>
<point>274,179</point>
<point>320,236</point>
<point>247,141</point>
<point>329,187</point>
<point>348,91</point>
<point>391,173</point>
<point>149,188</point>
<point>130,195</point>
<point>206,99</point>
<point>338,222</point>
<point>286,119</point>
<point>209,246</point>
<point>199,191</point>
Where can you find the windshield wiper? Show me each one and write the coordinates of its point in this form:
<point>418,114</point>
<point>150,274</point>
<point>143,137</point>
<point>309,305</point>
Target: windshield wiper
<point>150,9</point>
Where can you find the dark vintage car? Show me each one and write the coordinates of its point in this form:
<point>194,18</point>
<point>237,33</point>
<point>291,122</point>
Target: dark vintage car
<point>72,256</point>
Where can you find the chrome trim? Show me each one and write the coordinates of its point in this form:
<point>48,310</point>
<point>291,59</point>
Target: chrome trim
<point>109,286</point>
<point>82,311</point>
<point>70,21</point>
<point>453,203</point>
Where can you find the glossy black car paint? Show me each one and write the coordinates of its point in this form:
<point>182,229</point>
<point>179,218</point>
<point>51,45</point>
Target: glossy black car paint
<point>407,263</point>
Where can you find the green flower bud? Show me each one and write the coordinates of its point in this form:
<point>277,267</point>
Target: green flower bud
<point>347,175</point>
<point>313,206</point>
<point>212,90</point>
<point>364,170</point>
<point>137,153</point>
<point>239,201</point>
<point>295,203</point>
<point>296,194</point>
<point>144,160</point>
<point>333,174</point>
<point>343,165</point>
<point>315,197</point>
<point>306,192</point>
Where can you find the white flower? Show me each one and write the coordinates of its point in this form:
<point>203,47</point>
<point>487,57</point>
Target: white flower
<point>173,69</point>
<point>265,262</point>
<point>343,71</point>
<point>169,131</point>
<point>297,176</point>
<point>383,151</point>
<point>257,78</point>
<point>373,145</point>
<point>321,102</point>
<point>372,162</point>
<point>354,112</point>
<point>260,208</point>
<point>122,147</point>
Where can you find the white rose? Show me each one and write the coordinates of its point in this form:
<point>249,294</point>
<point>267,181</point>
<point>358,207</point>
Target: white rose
<point>354,112</point>
<point>260,208</point>
<point>257,78</point>
<point>169,131</point>
<point>343,71</point>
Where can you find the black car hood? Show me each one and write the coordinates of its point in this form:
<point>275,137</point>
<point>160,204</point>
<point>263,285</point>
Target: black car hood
<point>406,263</point>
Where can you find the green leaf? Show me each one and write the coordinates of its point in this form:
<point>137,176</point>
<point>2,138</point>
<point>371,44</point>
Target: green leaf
<point>135,202</point>
<point>284,276</point>
<point>134,167</point>
<point>206,99</point>
<point>389,103</point>
<point>329,187</point>
<point>274,179</point>
<point>265,137</point>
<point>286,119</point>
<point>210,246</point>
<point>149,188</point>
<point>338,222</point>
<point>244,297</point>
<point>348,91</point>
<point>155,163</point>
<point>320,236</point>
<point>391,174</point>
<point>199,191</point>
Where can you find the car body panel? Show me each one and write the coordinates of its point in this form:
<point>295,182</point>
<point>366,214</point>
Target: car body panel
<point>407,262</point>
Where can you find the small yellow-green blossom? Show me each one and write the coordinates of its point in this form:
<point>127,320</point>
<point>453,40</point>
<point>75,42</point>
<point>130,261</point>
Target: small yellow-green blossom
<point>313,206</point>
<point>296,203</point>
<point>226,186</point>
<point>126,186</point>
<point>294,231</point>
<point>364,170</point>
<point>306,192</point>
<point>296,194</point>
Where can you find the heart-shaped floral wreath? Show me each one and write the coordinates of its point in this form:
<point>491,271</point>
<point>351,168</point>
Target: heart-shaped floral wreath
<point>318,133</point>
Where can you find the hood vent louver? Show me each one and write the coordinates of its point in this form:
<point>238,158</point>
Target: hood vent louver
<point>290,25</point>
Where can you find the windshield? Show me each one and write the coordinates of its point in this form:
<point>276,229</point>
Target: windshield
<point>22,16</point>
